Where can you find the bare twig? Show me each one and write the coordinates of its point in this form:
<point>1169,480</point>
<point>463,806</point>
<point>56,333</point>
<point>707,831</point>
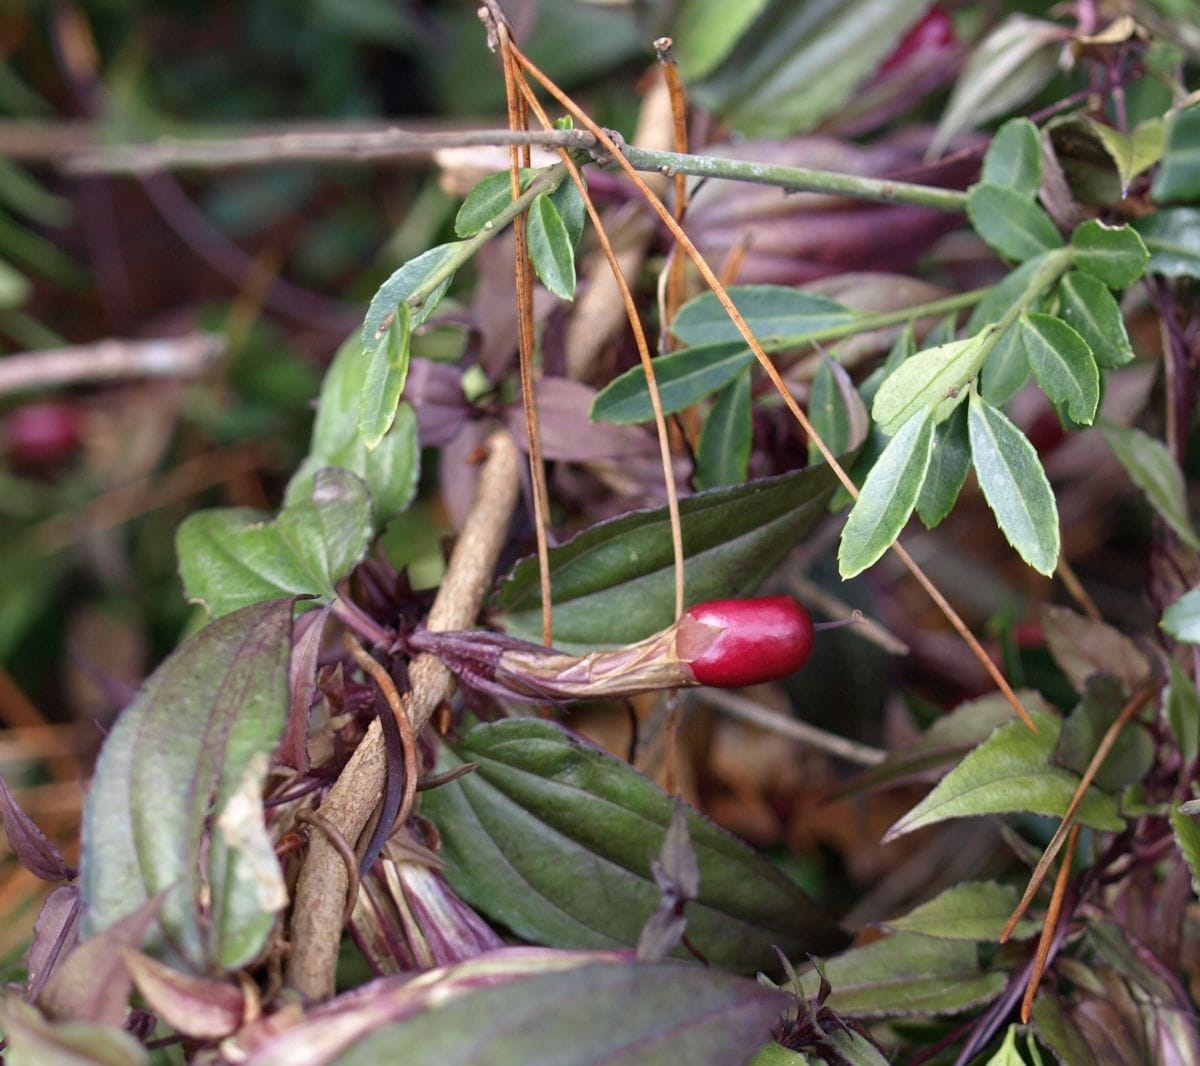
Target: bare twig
<point>111,360</point>
<point>320,896</point>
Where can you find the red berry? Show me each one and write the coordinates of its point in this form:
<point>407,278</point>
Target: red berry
<point>42,433</point>
<point>755,640</point>
<point>933,33</point>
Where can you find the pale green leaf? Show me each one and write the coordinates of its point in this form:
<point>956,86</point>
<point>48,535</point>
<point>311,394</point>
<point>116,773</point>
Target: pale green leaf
<point>932,378</point>
<point>387,370</point>
<point>1182,619</point>
<point>486,200</point>
<point>550,248</point>
<point>421,282</point>
<point>1187,839</point>
<point>704,33</point>
<point>1012,224</point>
<point>771,312</point>
<point>1114,254</point>
<point>1156,473</point>
<point>1135,151</point>
<point>974,910</point>
<point>1014,158</point>
<point>1087,306</point>
<point>1063,364</point>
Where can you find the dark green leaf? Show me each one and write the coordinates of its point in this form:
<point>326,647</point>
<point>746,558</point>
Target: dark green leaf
<point>176,802</point>
<point>1058,1031</point>
<point>571,209</point>
<point>932,378</point>
<point>1011,771</point>
<point>771,312</point>
<point>554,839</point>
<point>888,496</point>
<point>1063,364</point>
<point>1114,254</point>
<point>1006,368</point>
<point>905,974</point>
<point>1152,469</point>
<point>1087,306</point>
<point>1182,619</point>
<point>231,557</point>
<point>1132,754</point>
<point>1014,485</point>
<point>684,378</point>
<point>551,249</point>
<point>425,279</point>
<point>1183,713</point>
<point>1016,227</point>
<point>1178,178</point>
<point>614,582</point>
<point>1014,158</point>
<point>387,371</point>
<point>1187,839</point>
<point>487,200</point>
<point>948,468</point>
<point>1172,237</point>
<point>723,454</point>
<point>975,910</point>
<point>836,411</point>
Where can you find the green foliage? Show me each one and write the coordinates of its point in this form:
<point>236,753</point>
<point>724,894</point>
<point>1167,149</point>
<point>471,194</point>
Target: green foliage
<point>387,370</point>
<point>1152,469</point>
<point>723,452</point>
<point>1014,158</point>
<point>684,378</point>
<point>1172,237</point>
<point>551,249</point>
<point>1010,222</point>
<point>974,910</point>
<point>1178,179</point>
<point>771,311</point>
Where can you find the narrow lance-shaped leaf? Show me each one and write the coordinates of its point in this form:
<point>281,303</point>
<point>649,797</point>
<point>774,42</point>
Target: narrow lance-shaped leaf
<point>411,280</point>
<point>1156,473</point>
<point>949,465</point>
<point>1007,367</point>
<point>486,200</point>
<point>551,249</point>
<point>1015,226</point>
<point>1087,306</point>
<point>1179,176</point>
<point>1187,839</point>
<point>1014,158</point>
<point>888,496</point>
<point>975,910</point>
<point>1014,485</point>
<point>932,378</point>
<point>771,312</point>
<point>723,454</point>
<point>1062,363</point>
<point>1183,713</point>
<point>1114,254</point>
<point>836,410</point>
<point>387,370</point>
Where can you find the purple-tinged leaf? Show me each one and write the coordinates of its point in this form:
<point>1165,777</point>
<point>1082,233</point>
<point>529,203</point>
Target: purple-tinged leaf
<point>302,688</point>
<point>34,1041</point>
<point>563,409</point>
<point>175,805</point>
<point>435,392</point>
<point>32,847</point>
<point>55,934</point>
<point>93,983</point>
<point>195,1006</point>
<point>676,872</point>
<point>1083,647</point>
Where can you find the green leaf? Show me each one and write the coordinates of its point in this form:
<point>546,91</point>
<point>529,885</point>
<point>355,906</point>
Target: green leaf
<point>1182,619</point>
<point>1002,296</point>
<point>1178,178</point>
<point>1012,224</point>
<point>550,248</point>
<point>554,839</point>
<point>1132,152</point>
<point>1008,1053</point>
<point>390,471</point>
<point>888,496</point>
<point>1114,254</point>
<point>1156,473</point>
<point>1063,364</point>
<point>723,454</point>
<point>1183,713</point>
<point>684,378</point>
<point>387,371</point>
<point>414,279</point>
<point>571,209</point>
<point>905,974</point>
<point>1006,369</point>
<point>1011,772</point>
<point>1132,754</point>
<point>706,33</point>
<point>948,468</point>
<point>835,410</point>
<point>232,557</point>
<point>176,802</point>
<point>1172,237</point>
<point>1087,306</point>
<point>1187,839</point>
<point>1014,158</point>
<point>771,312</point>
<point>932,378</point>
<point>613,583</point>
<point>974,910</point>
<point>486,200</point>
<point>1008,67</point>
<point>1014,485</point>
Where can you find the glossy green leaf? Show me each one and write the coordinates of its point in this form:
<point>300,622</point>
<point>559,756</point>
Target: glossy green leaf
<point>948,468</point>
<point>905,974</point>
<point>554,839</point>
<point>1114,254</point>
<point>684,378</point>
<point>1182,619</point>
<point>705,33</point>
<point>231,557</point>
<point>1172,236</point>
<point>1014,158</point>
<point>486,200</point>
<point>1131,756</point>
<point>723,453</point>
<point>176,802</point>
<point>1008,67</point>
<point>1006,369</point>
<point>1063,364</point>
<point>569,204</point>
<point>771,312</point>
<point>1135,151</point>
<point>1087,306</point>
<point>1012,224</point>
<point>1178,178</point>
<point>387,370</point>
<point>1014,485</point>
<point>1183,713</point>
<point>1156,473</point>
<point>613,583</point>
<point>836,411</point>
<point>932,378</point>
<point>888,496</point>
<point>551,249</point>
<point>421,283</point>
<point>1011,772</point>
<point>974,910</point>
<point>1187,839</point>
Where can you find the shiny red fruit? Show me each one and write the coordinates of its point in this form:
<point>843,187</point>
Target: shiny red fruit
<point>933,33</point>
<point>755,640</point>
<point>41,433</point>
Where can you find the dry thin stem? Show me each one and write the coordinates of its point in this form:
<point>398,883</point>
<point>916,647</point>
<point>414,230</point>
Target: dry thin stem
<point>773,374</point>
<point>1136,701</point>
<point>408,738</point>
<point>1047,938</point>
<point>321,892</point>
<point>639,336</point>
<point>675,268</point>
<point>1075,587</point>
<point>111,360</point>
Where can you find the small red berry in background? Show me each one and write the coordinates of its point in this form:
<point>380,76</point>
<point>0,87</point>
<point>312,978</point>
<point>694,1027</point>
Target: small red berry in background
<point>42,433</point>
<point>933,33</point>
